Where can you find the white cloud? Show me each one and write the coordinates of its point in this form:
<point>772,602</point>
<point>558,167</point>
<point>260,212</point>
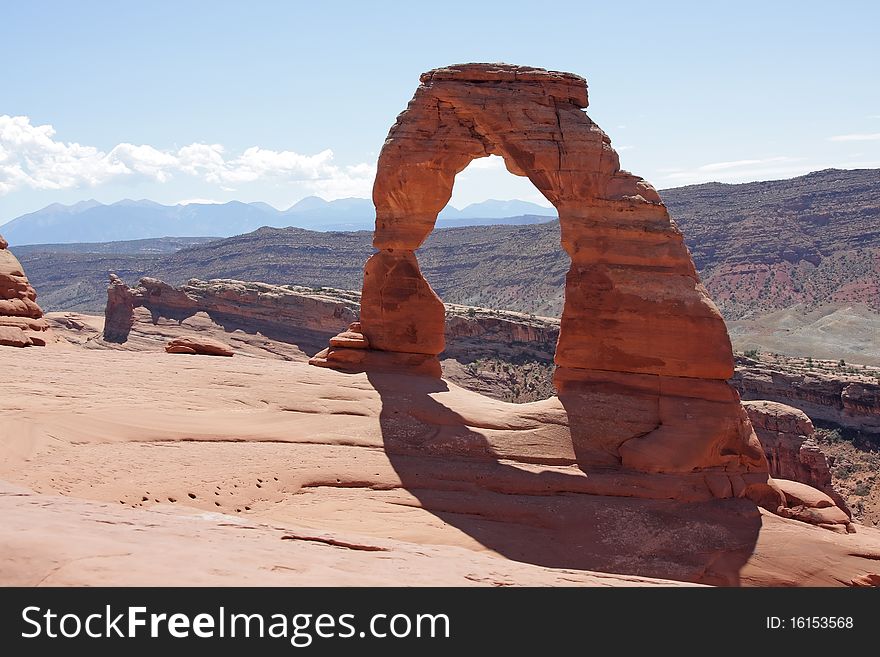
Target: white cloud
<point>740,170</point>
<point>200,201</point>
<point>491,162</point>
<point>353,180</point>
<point>145,160</point>
<point>865,136</point>
<point>736,164</point>
<point>30,157</point>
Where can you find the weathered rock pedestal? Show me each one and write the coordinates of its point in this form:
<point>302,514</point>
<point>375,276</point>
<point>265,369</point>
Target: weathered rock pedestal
<point>21,319</point>
<point>786,434</point>
<point>643,354</point>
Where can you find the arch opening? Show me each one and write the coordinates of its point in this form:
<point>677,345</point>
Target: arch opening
<point>502,284</point>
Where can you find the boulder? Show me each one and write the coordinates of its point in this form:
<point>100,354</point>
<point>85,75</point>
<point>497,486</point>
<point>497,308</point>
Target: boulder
<point>807,504</point>
<point>198,345</point>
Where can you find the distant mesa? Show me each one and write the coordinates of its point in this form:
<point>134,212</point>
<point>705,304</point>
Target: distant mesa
<point>21,319</point>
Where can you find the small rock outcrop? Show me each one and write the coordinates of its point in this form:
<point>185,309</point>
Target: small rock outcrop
<point>643,355</point>
<point>21,319</point>
<point>198,345</point>
<point>786,433</point>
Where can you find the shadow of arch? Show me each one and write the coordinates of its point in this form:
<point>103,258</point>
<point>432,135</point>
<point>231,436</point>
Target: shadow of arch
<point>524,514</point>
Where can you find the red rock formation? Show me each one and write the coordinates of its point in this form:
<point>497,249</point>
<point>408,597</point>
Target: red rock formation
<point>287,312</point>
<point>351,339</point>
<point>290,310</point>
<point>198,345</point>
<point>643,354</point>
<point>351,350</point>
<point>786,433</point>
<point>809,505</point>
<point>21,319</point>
<point>119,311</point>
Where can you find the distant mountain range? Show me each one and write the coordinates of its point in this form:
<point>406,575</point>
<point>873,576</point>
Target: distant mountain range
<point>91,221</point>
<point>760,248</point>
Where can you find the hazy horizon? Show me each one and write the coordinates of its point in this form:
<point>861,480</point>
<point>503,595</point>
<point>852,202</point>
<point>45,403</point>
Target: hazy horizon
<point>200,201</point>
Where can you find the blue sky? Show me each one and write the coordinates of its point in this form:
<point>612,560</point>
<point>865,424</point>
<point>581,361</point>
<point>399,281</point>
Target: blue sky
<point>275,101</point>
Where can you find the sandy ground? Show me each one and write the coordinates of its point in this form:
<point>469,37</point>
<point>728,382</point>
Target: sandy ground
<point>140,467</point>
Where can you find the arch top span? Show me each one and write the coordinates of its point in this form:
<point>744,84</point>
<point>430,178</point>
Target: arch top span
<point>531,117</point>
<point>641,349</point>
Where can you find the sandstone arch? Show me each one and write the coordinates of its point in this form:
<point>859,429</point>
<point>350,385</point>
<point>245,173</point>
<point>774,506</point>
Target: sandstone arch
<point>643,354</point>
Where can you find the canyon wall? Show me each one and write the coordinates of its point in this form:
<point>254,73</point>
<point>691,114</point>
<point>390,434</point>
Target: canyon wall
<point>848,401</point>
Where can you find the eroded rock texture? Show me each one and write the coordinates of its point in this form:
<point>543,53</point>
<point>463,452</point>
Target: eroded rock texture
<point>786,433</point>
<point>21,319</point>
<point>643,354</point>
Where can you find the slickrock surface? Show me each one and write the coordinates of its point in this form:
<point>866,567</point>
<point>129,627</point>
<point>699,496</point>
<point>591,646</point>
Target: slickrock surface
<point>21,319</point>
<point>215,459</point>
<point>52,540</point>
<point>638,395</point>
